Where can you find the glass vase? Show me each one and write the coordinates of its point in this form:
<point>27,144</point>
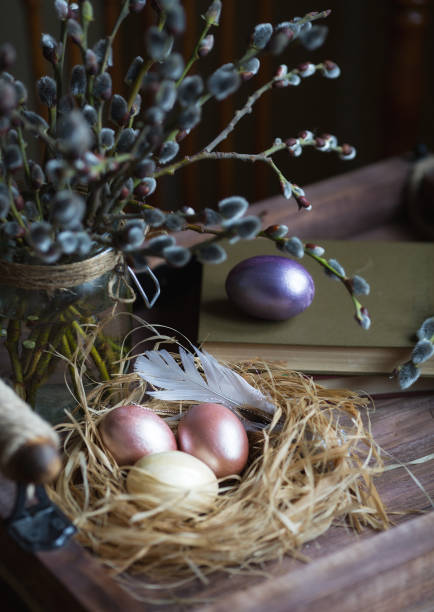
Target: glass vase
<point>45,327</point>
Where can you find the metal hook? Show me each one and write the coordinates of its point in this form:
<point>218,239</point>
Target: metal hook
<point>149,303</point>
<point>40,526</point>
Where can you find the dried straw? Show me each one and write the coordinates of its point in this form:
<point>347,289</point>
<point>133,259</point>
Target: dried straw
<point>313,464</point>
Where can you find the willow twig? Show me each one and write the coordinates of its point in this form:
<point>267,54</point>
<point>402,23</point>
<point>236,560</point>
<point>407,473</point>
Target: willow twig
<point>12,343</point>
<point>146,66</point>
<point>40,374</point>
<point>50,142</point>
<point>23,145</point>
<point>342,277</point>
<point>248,107</point>
<point>195,55</point>
<point>59,68</point>
<point>138,82</point>
<point>42,341</point>
<point>14,210</point>
<point>58,74</point>
<point>245,110</point>
<point>28,352</point>
<point>191,159</point>
<point>264,157</point>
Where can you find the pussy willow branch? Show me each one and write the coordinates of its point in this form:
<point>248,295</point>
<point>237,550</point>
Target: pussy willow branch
<point>195,55</point>
<point>50,142</point>
<point>87,17</point>
<point>94,196</point>
<point>245,110</point>
<point>22,144</point>
<point>14,210</point>
<point>53,119</point>
<point>144,70</point>
<point>138,82</point>
<point>27,352</point>
<point>12,339</point>
<point>41,345</point>
<point>250,53</point>
<point>248,107</point>
<point>58,74</point>
<point>344,279</point>
<point>41,372</point>
<point>254,52</point>
<point>39,204</point>
<point>265,157</point>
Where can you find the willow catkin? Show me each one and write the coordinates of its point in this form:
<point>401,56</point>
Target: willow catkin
<point>28,445</point>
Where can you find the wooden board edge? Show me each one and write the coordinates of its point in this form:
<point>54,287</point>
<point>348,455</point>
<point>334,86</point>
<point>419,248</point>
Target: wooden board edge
<point>391,571</point>
<point>67,579</point>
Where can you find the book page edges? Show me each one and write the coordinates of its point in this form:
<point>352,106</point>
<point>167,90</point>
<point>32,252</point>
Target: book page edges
<point>320,360</point>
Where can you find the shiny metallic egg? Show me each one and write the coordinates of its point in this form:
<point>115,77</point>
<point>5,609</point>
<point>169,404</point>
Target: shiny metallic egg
<point>270,287</point>
<point>216,436</point>
<point>132,431</point>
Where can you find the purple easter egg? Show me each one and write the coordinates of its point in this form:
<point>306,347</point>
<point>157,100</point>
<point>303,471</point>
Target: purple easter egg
<point>270,287</point>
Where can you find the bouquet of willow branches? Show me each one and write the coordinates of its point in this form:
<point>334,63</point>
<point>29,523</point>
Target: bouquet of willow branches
<point>102,154</point>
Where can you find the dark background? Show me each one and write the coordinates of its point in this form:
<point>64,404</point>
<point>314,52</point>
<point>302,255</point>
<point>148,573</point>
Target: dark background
<point>382,103</point>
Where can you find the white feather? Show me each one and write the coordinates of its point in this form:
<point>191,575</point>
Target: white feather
<point>221,385</point>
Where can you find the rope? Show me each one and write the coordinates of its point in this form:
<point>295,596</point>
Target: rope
<point>25,276</point>
<point>19,425</point>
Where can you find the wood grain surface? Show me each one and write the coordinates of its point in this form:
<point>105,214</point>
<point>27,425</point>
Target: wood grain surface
<point>67,579</point>
<point>384,573</point>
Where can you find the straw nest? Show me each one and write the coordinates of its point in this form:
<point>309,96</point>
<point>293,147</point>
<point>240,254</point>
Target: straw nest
<point>313,464</point>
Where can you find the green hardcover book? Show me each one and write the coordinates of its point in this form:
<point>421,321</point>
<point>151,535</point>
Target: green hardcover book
<point>325,338</point>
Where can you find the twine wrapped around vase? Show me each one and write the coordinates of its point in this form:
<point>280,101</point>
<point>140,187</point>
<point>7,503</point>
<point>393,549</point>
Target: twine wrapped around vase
<point>65,276</point>
<point>29,276</point>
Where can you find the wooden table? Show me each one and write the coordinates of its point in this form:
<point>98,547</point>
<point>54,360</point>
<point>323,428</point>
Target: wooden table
<point>388,571</point>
